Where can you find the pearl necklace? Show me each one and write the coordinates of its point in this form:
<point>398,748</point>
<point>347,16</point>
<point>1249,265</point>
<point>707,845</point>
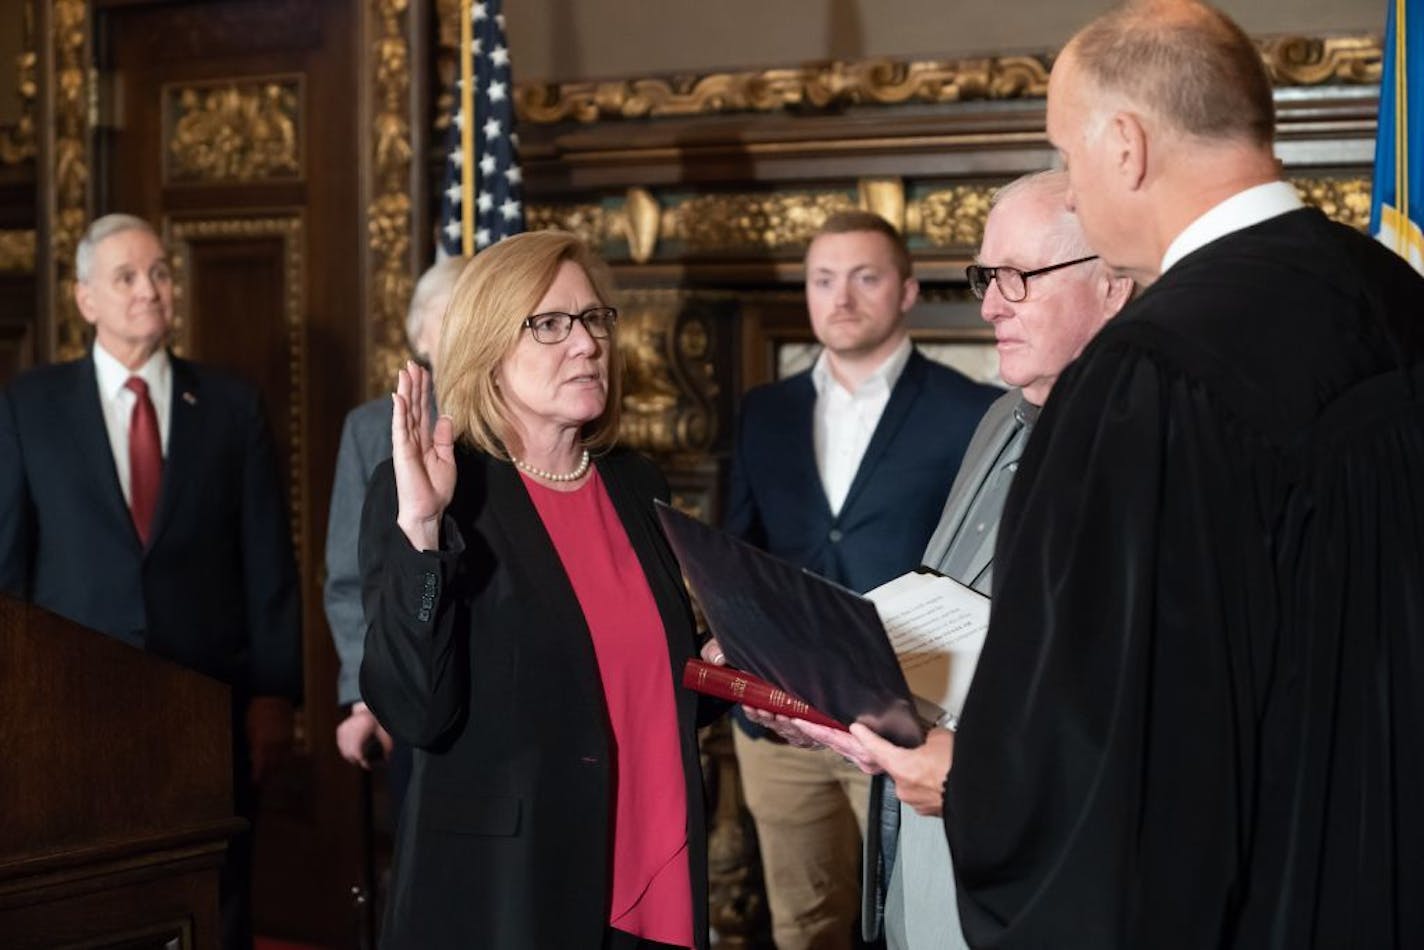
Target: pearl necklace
<point>573,476</point>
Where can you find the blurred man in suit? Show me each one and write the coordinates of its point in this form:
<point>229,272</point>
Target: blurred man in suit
<point>139,496</point>
<point>366,443</point>
<point>842,470</point>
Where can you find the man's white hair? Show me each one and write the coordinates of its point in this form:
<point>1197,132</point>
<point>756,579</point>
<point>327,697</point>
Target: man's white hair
<point>94,235</point>
<point>1068,238</point>
<point>437,281</point>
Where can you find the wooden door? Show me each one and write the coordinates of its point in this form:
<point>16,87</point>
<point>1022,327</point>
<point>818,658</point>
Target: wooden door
<point>233,125</point>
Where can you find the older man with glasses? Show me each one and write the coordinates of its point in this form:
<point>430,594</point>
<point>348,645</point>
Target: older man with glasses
<point>1046,295</point>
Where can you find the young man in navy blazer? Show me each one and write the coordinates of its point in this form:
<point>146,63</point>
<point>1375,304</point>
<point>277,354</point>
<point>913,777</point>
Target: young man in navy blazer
<point>843,470</point>
<point>139,496</point>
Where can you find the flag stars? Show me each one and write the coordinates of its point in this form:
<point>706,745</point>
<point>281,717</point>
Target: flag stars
<point>482,237</point>
<point>485,202</point>
<point>487,164</point>
<point>510,209</point>
<point>452,193</point>
<point>493,129</point>
<point>497,91</point>
<point>513,174</point>
<point>500,56</point>
<point>452,230</point>
<point>479,11</point>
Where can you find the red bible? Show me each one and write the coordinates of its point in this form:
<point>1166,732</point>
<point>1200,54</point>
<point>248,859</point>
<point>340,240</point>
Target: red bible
<point>738,686</point>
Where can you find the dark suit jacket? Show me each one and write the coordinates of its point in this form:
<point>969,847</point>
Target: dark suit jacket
<point>777,502</point>
<point>216,587</point>
<point>478,656</point>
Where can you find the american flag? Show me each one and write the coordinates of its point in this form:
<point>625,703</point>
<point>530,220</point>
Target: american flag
<point>482,164</point>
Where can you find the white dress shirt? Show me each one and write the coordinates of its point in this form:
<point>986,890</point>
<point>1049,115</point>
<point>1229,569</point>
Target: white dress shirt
<point>1242,210</point>
<point>118,401</point>
<point>846,420</point>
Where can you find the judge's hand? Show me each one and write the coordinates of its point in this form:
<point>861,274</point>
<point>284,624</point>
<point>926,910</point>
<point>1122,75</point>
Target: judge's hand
<point>712,653</point>
<point>354,735</point>
<point>269,734</point>
<point>919,773</point>
<point>424,459</point>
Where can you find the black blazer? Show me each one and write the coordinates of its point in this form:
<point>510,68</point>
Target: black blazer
<point>216,587</point>
<point>479,657</point>
<point>776,500</point>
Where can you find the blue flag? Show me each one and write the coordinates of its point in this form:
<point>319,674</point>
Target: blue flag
<point>1397,199</point>
<point>483,199</point>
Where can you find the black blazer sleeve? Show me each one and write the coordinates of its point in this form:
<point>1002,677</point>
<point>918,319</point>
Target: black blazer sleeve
<point>414,672</point>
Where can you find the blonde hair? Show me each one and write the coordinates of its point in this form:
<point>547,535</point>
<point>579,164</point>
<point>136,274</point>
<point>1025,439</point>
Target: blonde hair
<point>484,323</point>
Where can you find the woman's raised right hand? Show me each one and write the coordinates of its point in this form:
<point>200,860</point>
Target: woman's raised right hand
<point>424,459</point>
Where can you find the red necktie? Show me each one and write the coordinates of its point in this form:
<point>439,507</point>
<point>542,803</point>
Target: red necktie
<point>145,459</point>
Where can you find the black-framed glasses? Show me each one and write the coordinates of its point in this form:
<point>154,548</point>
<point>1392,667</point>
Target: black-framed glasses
<point>555,327</point>
<point>1013,283</point>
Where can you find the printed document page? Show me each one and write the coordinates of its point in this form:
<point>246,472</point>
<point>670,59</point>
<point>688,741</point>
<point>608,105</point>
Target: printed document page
<point>936,626</point>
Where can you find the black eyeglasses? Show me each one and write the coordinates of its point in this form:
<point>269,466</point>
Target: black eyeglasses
<point>555,327</point>
<point>1013,283</point>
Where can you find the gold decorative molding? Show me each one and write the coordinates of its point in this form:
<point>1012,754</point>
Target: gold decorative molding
<point>70,20</point>
<point>234,131</point>
<point>592,223</point>
<point>950,217</point>
<point>182,235</point>
<point>670,380</point>
<point>389,211</point>
<point>1323,61</point>
<point>17,143</point>
<point>757,222</point>
<point>1346,200</point>
<point>769,221</point>
<point>820,86</point>
<point>1290,61</point>
<point>17,252</point>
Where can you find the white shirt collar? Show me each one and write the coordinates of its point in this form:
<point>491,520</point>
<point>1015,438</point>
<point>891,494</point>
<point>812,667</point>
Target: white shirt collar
<point>113,375</point>
<point>887,374</point>
<point>1240,211</point>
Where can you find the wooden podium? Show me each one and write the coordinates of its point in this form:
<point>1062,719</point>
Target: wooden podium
<point>115,791</point>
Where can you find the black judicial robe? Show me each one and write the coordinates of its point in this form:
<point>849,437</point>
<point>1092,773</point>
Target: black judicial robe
<point>1198,720</point>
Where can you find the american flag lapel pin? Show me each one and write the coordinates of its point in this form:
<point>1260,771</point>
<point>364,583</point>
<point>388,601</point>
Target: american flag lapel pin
<point>190,399</point>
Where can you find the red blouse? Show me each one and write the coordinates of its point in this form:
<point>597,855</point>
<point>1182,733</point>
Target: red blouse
<point>652,886</point>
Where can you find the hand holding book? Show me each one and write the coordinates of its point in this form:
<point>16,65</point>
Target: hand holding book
<point>738,686</point>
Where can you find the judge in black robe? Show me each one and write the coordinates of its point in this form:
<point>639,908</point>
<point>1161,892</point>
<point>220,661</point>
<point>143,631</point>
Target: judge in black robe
<point>1198,720</point>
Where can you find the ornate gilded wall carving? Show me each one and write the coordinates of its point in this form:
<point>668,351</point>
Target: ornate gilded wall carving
<point>70,19</point>
<point>389,213</point>
<point>1317,61</point>
<point>936,217</point>
<point>17,251</point>
<point>719,222</point>
<point>17,144</point>
<point>234,131</point>
<point>950,217</point>
<point>182,235</point>
<point>670,377</point>
<point>1291,61</point>
<point>1346,200</point>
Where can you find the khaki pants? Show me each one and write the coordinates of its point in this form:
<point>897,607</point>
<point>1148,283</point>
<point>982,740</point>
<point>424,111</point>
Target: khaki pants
<point>807,805</point>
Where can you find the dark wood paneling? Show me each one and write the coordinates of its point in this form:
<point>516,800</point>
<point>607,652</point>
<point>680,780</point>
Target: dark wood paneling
<point>238,317</point>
